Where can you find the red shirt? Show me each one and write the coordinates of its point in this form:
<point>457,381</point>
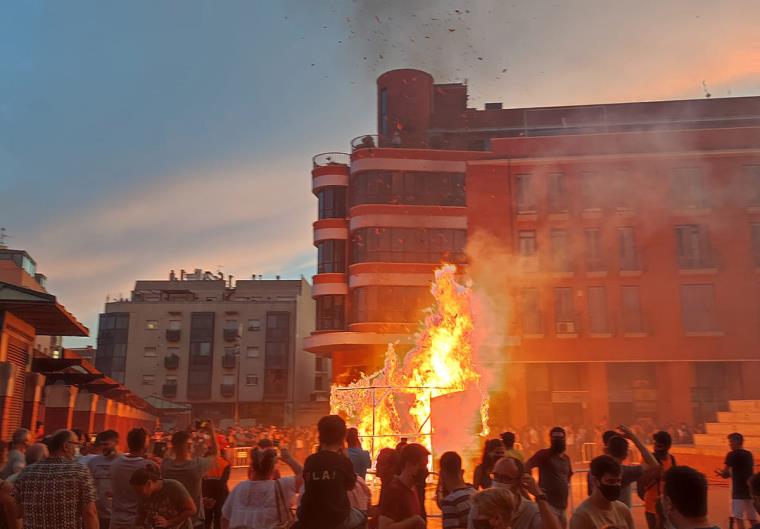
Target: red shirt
<point>399,501</point>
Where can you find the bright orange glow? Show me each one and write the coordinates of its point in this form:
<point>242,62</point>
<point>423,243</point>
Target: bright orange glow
<point>440,363</point>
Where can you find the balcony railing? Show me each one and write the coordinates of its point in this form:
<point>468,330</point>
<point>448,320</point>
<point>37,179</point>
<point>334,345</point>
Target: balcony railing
<point>331,158</point>
<point>173,335</point>
<point>227,390</point>
<point>171,362</point>
<point>169,390</point>
<point>231,335</point>
<point>228,361</point>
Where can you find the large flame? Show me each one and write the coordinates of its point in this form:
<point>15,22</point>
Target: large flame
<point>396,401</point>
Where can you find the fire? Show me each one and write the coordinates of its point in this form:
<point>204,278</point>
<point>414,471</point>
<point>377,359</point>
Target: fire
<point>396,401</point>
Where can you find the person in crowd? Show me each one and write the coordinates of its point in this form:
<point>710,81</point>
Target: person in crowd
<point>684,498</point>
<point>554,472</point>
<point>8,507</point>
<point>190,470</point>
<point>492,452</point>
<point>453,495</point>
<point>360,496</point>
<point>359,457</point>
<point>35,452</point>
<point>100,468</point>
<point>328,475</point>
<point>215,490</point>
<point>15,461</point>
<point>508,438</point>
<point>509,473</point>
<point>124,500</point>
<point>493,509</point>
<point>754,490</point>
<point>57,492</point>
<point>400,507</point>
<point>164,503</point>
<point>739,466</point>
<point>263,501</point>
<point>385,469</point>
<point>603,508</point>
<point>652,484</point>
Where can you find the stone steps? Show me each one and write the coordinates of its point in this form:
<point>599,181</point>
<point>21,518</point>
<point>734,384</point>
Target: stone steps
<point>743,417</point>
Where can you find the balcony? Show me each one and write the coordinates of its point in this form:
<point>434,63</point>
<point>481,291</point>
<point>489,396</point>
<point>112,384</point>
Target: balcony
<point>227,390</point>
<point>173,335</point>
<point>169,390</point>
<point>326,159</point>
<point>171,362</point>
<point>230,335</point>
<point>228,361</point>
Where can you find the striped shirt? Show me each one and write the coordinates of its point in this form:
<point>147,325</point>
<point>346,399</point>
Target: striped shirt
<point>456,508</point>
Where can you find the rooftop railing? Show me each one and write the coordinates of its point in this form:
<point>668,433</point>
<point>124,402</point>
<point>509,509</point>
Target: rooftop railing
<point>331,158</point>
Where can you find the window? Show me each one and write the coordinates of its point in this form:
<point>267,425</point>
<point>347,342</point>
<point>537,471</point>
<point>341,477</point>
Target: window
<point>558,199</point>
<point>532,317</point>
<point>756,243</point>
<point>621,189</point>
<point>630,303</point>
<point>151,325</point>
<point>593,242</point>
<point>753,184</point>
<point>252,380</point>
<point>597,310</point>
<point>148,380</point>
<point>693,247</point>
<point>175,325</point>
<point>172,351</point>
<point>253,351</point>
<point>318,383</point>
<point>330,312</point>
<point>527,241</point>
<point>200,348</point>
<point>254,325</point>
<point>688,188</point>
<point>331,256</point>
<point>320,364</point>
<point>332,202</point>
<point>171,380</point>
<point>561,261</point>
<point>698,310</point>
<point>230,325</point>
<point>383,113</point>
<point>408,187</point>
<point>627,255</point>
<point>150,351</point>
<point>229,351</point>
<point>524,199</point>
<point>228,380</point>
<point>591,190</point>
<point>408,245</point>
<point>564,310</point>
<point>395,304</point>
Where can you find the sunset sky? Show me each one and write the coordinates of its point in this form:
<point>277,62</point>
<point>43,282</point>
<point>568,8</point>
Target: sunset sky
<point>138,137</point>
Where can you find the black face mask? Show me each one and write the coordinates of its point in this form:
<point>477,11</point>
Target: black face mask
<point>481,524</point>
<point>610,492</point>
<point>558,445</point>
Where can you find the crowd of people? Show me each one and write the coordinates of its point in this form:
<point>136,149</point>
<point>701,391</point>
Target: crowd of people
<point>180,481</point>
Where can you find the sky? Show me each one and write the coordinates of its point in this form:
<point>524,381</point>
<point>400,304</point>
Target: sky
<point>138,137</point>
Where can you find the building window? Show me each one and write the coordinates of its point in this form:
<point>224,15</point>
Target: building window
<point>332,202</point>
<point>253,351</point>
<point>172,351</point>
<point>408,245</point>
<point>331,313</point>
<point>632,320</point>
<point>331,256</point>
<point>597,310</point>
<point>622,190</point>
<point>202,349</point>
<point>527,241</point>
<point>558,199</point>
<point>151,325</point>
<point>228,380</point>
<point>524,199</point>
<point>171,380</point>
<point>149,351</point>
<point>419,188</point>
<point>252,380</point>
<point>318,383</point>
<point>627,254</point>
<point>561,261</point>
<point>148,380</point>
<point>320,364</point>
<point>230,351</point>
<point>753,184</point>
<point>383,113</point>
<point>756,243</point>
<point>688,188</point>
<point>593,242</point>
<point>564,311</point>
<point>175,325</point>
<point>532,316</point>
<point>395,304</point>
<point>698,310</point>
<point>590,190</point>
<point>693,247</point>
<point>254,325</point>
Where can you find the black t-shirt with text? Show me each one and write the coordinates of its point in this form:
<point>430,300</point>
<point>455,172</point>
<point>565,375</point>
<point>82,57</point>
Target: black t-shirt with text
<point>742,466</point>
<point>327,476</point>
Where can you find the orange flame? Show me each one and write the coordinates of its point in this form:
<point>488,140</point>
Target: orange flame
<point>396,401</point>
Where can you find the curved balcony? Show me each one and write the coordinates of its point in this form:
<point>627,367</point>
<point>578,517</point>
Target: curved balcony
<point>327,159</point>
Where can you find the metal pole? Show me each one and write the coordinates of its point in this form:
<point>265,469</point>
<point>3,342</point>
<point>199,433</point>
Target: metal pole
<point>237,387</point>
<point>373,423</point>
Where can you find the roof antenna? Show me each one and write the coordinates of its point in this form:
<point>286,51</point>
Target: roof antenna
<point>3,237</point>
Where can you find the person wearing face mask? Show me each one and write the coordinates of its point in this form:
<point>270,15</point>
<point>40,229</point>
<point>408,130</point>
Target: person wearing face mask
<point>492,452</point>
<point>651,484</point>
<point>684,499</point>
<point>400,507</point>
<point>494,509</point>
<point>603,508</point>
<point>453,495</point>
<point>554,472</point>
<point>57,492</point>
<point>509,473</point>
<point>100,468</point>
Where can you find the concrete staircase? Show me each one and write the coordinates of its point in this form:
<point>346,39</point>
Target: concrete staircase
<point>743,417</point>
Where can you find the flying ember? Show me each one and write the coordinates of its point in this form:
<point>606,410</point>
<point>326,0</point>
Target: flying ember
<point>397,400</point>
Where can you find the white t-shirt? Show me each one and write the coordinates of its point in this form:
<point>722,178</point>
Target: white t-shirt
<point>254,503</point>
